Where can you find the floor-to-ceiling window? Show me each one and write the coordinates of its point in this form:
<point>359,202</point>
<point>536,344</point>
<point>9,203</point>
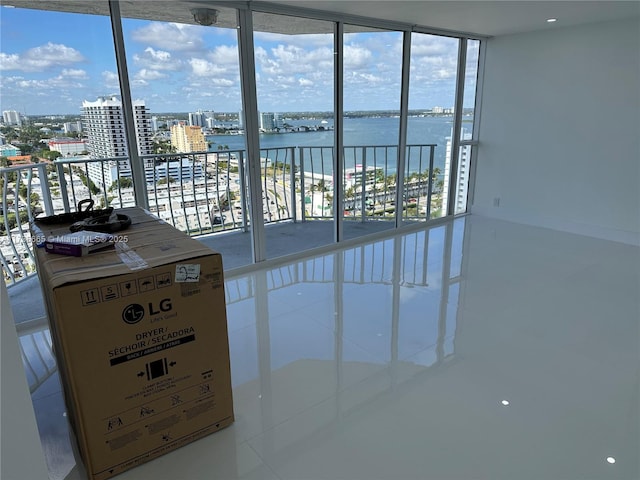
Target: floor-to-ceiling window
<point>372,76</point>
<point>57,69</point>
<point>187,92</point>
<point>188,77</point>
<point>294,63</point>
<point>432,93</point>
<point>467,139</point>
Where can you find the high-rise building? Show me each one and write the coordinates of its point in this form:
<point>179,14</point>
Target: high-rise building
<point>70,127</point>
<point>104,124</point>
<point>11,117</point>
<point>197,119</point>
<point>188,138</point>
<point>154,124</point>
<point>462,176</point>
<point>270,121</point>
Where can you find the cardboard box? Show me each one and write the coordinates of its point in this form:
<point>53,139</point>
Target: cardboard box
<point>140,335</point>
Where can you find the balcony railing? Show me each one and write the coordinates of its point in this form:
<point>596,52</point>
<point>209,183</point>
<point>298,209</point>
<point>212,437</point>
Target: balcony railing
<point>203,193</point>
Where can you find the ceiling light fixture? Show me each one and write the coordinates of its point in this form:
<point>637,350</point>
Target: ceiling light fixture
<point>205,16</point>
<point>551,20</point>
<point>611,460</point>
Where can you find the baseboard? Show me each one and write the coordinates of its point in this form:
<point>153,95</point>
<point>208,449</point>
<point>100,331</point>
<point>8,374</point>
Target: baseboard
<point>563,225</point>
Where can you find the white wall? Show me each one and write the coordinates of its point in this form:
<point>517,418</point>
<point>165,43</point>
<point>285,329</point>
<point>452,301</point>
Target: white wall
<point>20,447</point>
<point>559,132</point>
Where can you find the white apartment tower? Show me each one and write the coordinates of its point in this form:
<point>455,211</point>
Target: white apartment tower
<point>104,125</point>
<point>197,119</point>
<point>269,121</point>
<point>462,176</point>
<point>11,117</point>
<point>69,127</point>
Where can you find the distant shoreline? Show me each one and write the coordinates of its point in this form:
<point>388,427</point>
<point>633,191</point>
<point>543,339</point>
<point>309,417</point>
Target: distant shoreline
<point>225,116</point>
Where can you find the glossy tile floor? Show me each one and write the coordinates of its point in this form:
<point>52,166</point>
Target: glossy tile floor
<point>478,349</point>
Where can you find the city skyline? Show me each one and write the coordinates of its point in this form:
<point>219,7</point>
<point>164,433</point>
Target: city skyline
<point>62,59</point>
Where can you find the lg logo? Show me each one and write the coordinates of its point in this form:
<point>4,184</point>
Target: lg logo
<point>135,312</point>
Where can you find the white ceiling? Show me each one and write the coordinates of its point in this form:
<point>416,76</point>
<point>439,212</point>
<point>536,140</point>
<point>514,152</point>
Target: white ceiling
<point>480,17</point>
<point>487,18</point>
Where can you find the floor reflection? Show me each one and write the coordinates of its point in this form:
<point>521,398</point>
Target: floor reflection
<point>394,359</point>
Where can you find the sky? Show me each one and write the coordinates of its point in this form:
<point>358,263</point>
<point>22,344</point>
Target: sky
<point>50,62</point>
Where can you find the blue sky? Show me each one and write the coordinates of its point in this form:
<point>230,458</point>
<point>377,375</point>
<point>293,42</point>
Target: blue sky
<point>50,62</point>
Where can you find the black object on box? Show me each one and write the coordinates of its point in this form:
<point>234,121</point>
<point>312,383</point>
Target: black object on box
<point>78,244</point>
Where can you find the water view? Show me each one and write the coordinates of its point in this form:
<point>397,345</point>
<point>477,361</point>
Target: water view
<point>369,131</point>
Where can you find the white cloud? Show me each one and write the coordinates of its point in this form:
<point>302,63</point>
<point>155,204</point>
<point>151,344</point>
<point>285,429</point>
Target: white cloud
<point>430,49</point>
<point>145,74</point>
<point>157,60</point>
<point>305,82</point>
<point>433,59</point>
<point>225,55</point>
<point>75,73</point>
<point>32,84</point>
<point>291,59</point>
<point>203,68</point>
<point>9,61</point>
<point>41,58</point>
<point>283,80</point>
<point>445,73</point>
<point>169,36</point>
<point>356,57</point>
<point>364,78</point>
<point>110,79</point>
<point>38,86</point>
<point>222,82</point>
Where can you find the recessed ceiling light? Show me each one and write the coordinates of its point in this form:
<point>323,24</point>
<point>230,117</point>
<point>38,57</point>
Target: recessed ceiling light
<point>551,20</point>
<point>611,460</point>
<point>505,403</point>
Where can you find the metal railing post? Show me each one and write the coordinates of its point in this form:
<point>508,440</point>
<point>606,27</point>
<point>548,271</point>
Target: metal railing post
<point>363,200</point>
<point>430,182</point>
<point>292,180</point>
<point>243,189</point>
<point>303,199</point>
<point>44,187</point>
<point>62,180</point>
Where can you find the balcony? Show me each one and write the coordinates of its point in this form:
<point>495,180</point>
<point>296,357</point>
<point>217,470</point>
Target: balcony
<point>206,196</point>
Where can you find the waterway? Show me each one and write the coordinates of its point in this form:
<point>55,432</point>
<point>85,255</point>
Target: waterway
<point>357,132</point>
